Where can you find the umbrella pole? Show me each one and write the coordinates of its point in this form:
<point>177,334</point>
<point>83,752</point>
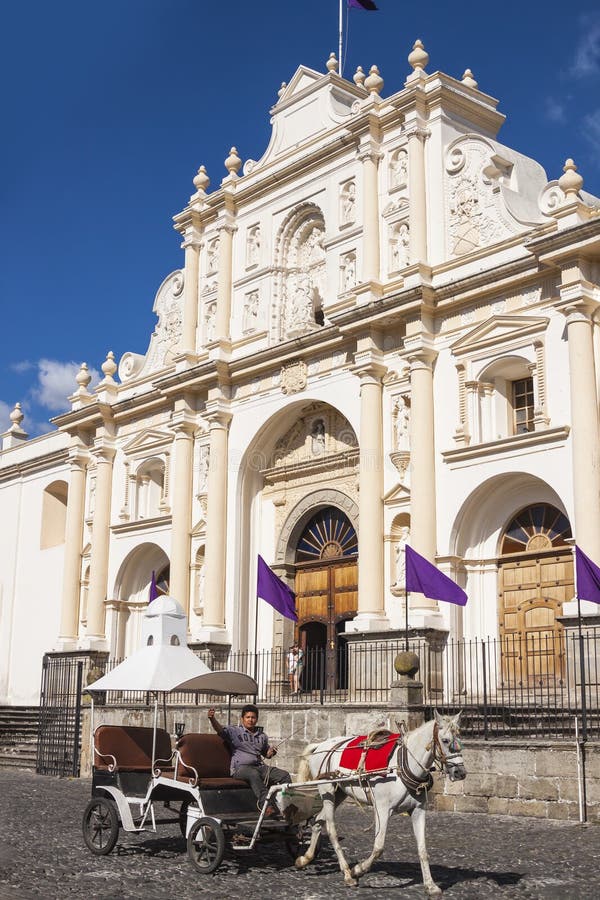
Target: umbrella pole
<point>229,709</point>
<point>165,711</point>
<point>154,730</point>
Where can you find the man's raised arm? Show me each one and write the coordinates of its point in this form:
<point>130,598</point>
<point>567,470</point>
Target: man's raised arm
<point>215,724</point>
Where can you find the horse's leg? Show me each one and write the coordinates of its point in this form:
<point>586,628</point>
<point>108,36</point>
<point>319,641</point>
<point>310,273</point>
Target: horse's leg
<point>329,807</point>
<point>308,857</point>
<point>418,824</point>
<point>378,845</point>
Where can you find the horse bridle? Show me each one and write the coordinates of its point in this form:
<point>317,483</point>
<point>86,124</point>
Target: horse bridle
<point>442,759</point>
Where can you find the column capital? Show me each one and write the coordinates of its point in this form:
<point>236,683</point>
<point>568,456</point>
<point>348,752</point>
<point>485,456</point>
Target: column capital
<point>217,414</point>
<point>369,370</point>
<point>193,242</point>
<point>370,152</point>
<point>415,130</point>
<point>422,359</point>
<point>104,451</point>
<point>183,425</point>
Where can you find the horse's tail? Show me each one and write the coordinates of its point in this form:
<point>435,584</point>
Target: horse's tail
<point>304,773</point>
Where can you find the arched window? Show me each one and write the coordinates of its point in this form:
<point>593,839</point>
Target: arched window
<point>54,515</point>
<point>536,528</point>
<point>329,534</point>
<point>149,482</point>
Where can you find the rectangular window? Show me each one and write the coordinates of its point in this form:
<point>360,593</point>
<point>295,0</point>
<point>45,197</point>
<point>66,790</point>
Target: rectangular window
<point>522,403</point>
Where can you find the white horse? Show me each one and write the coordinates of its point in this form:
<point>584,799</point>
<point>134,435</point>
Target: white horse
<point>401,788</point>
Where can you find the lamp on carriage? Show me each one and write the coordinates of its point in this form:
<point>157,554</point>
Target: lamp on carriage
<point>179,729</point>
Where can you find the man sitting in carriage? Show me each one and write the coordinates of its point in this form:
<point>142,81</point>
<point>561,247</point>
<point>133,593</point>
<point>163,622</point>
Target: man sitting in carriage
<point>249,745</point>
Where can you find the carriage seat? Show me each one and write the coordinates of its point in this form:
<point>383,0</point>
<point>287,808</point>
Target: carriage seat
<point>204,760</point>
<point>128,748</point>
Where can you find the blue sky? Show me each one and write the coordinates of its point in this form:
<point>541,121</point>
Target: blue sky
<point>109,109</point>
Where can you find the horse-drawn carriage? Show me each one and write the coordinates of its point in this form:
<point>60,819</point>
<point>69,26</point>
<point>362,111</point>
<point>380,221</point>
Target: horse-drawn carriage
<point>136,768</point>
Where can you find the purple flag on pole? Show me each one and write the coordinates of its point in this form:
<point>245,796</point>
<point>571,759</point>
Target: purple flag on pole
<point>153,592</point>
<point>425,578</point>
<point>275,592</point>
<point>588,577</point>
<point>361,4</point>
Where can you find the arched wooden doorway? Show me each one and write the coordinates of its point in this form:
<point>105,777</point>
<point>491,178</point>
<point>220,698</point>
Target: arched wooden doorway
<point>326,596</point>
<point>535,578</point>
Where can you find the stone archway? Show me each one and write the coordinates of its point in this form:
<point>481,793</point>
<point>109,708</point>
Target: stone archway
<point>303,512</point>
<point>131,593</point>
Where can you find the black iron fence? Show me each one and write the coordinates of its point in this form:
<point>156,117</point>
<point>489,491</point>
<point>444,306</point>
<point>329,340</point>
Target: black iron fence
<point>533,686</point>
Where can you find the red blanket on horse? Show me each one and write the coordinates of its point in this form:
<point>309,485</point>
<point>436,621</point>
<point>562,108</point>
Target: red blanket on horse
<point>376,758</point>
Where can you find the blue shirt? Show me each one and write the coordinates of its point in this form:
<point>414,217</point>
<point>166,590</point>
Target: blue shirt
<point>247,747</point>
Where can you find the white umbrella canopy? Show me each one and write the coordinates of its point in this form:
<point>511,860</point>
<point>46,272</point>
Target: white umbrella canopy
<point>165,663</point>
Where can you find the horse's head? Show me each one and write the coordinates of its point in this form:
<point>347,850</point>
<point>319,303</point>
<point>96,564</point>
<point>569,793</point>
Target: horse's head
<point>448,748</point>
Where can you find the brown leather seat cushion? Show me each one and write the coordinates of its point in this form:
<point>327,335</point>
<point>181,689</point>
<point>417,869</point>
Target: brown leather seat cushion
<point>210,757</point>
<point>131,747</point>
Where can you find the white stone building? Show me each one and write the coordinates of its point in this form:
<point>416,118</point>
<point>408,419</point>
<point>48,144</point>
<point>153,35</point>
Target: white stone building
<point>383,330</point>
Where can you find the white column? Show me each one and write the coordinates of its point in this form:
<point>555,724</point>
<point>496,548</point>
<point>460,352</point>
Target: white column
<point>417,193</point>
<point>181,527</point>
<point>422,478</point>
<point>371,239</point>
<point>371,610</point>
<point>213,623</point>
<point>190,296</point>
<point>224,283</point>
<point>69,618</point>
<point>100,544</point>
<point>584,432</point>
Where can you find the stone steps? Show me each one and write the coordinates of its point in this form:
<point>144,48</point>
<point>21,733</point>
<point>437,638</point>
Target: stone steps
<point>18,736</point>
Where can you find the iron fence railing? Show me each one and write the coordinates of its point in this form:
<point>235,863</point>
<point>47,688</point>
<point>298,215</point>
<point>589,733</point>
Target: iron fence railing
<point>529,686</point>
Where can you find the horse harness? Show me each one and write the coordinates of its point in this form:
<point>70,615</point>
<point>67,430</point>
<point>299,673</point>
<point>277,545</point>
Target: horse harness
<point>413,783</point>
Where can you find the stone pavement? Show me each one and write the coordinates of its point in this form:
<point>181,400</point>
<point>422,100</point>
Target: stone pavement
<point>42,855</point>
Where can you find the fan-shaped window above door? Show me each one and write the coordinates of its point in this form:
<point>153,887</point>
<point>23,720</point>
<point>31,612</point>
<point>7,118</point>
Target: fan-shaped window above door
<point>328,535</point>
<point>535,529</point>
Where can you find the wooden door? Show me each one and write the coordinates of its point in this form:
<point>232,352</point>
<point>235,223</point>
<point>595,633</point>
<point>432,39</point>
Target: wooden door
<point>532,590</point>
<point>326,595</point>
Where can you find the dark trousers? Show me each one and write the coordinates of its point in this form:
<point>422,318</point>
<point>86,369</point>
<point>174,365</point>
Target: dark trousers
<point>260,779</point>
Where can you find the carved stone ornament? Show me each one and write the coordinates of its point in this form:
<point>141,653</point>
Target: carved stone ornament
<point>164,343</point>
<point>294,377</point>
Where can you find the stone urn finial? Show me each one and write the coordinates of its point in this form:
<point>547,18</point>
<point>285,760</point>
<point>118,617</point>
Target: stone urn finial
<point>418,57</point>
<point>109,366</point>
<point>359,77</point>
<point>332,63</point>
<point>83,377</point>
<point>16,416</point>
<point>201,180</point>
<point>407,663</point>
<point>468,79</point>
<point>374,82</point>
<point>233,163</point>
<point>570,182</point>
<point>281,90</point>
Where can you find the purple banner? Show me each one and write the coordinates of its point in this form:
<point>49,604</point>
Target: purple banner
<point>425,578</point>
<point>275,592</point>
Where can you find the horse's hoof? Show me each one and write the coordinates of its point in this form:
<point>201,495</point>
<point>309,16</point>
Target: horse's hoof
<point>434,891</point>
<point>350,881</point>
<point>301,862</point>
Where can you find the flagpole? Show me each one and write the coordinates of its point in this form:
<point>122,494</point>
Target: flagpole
<point>405,611</point>
<point>340,33</point>
<point>256,635</point>
<point>583,740</point>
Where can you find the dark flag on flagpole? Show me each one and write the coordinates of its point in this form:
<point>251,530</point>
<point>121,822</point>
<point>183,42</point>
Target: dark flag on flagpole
<point>588,577</point>
<point>425,578</point>
<point>362,4</point>
<point>153,592</point>
<point>275,592</point>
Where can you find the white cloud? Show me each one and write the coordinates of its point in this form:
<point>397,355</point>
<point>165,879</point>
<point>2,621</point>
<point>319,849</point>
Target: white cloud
<point>56,381</point>
<point>591,127</point>
<point>586,61</point>
<point>5,422</point>
<point>24,366</point>
<point>554,110</point>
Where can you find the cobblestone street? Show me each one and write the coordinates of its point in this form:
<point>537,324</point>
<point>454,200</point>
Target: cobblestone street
<point>42,854</point>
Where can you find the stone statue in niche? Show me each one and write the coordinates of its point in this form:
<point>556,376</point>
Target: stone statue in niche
<point>301,312</point>
<point>400,247</point>
<point>401,424</point>
<point>250,312</point>
<point>399,169</point>
<point>318,437</point>
<point>348,203</point>
<point>211,315</point>
<point>400,558</point>
<point>348,273</point>
<point>203,469</point>
<point>213,255</point>
<point>253,247</point>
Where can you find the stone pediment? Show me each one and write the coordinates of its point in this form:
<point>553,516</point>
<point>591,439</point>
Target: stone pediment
<point>311,104</point>
<point>397,496</point>
<point>164,341</point>
<point>320,432</point>
<point>150,440</point>
<point>499,331</point>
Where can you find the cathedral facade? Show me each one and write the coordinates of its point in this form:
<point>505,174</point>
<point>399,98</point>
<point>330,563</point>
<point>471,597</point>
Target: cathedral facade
<point>384,331</point>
